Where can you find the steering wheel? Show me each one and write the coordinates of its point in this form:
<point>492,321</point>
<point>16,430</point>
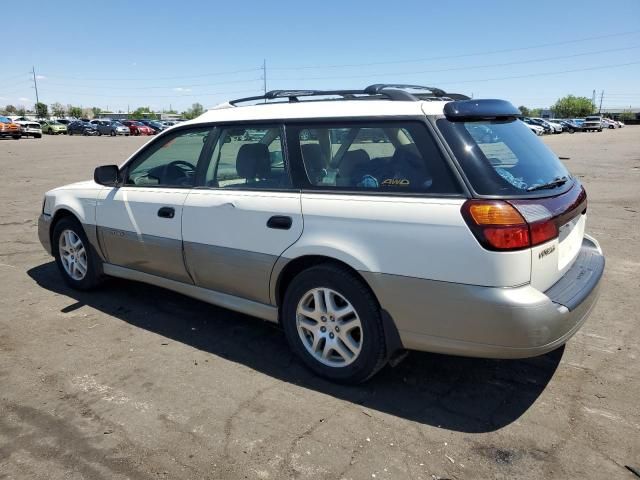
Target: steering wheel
<point>177,171</point>
<point>182,163</point>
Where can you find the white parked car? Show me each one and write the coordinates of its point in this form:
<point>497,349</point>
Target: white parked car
<point>30,128</point>
<point>592,123</point>
<point>381,220</point>
<point>555,127</point>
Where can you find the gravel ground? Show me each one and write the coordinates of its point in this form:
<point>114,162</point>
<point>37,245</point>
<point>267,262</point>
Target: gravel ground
<point>135,382</point>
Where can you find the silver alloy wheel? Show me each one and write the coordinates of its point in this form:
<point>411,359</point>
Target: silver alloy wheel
<point>73,254</point>
<point>329,327</point>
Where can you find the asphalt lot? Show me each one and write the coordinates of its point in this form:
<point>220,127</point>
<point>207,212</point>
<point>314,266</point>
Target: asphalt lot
<point>135,382</point>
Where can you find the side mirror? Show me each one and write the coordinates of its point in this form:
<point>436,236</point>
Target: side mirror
<point>107,175</point>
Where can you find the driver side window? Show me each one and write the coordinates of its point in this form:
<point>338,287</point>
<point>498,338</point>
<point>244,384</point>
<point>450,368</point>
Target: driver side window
<point>171,163</point>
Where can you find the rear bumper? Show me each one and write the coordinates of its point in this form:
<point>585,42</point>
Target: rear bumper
<point>491,322</point>
<point>44,231</point>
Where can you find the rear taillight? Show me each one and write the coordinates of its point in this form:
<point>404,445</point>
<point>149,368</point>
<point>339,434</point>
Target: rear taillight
<point>498,225</point>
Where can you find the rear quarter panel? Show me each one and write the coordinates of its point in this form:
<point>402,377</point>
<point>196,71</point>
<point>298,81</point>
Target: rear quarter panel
<point>410,236</point>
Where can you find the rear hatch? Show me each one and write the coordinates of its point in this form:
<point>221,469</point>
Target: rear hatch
<point>524,197</point>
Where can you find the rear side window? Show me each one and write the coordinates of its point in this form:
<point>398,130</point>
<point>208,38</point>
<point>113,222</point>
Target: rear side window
<point>248,157</point>
<point>373,156</point>
<point>504,157</point>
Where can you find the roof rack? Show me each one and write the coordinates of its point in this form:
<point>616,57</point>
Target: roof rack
<point>387,91</point>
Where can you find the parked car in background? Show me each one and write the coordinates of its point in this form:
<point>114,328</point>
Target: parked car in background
<point>80,127</point>
<point>137,128</point>
<point>110,127</point>
<point>53,127</point>
<point>64,121</point>
<point>571,126</point>
<point>541,123</point>
<point>592,124</point>
<point>578,121</point>
<point>610,124</point>
<point>534,127</point>
<point>30,128</point>
<point>9,129</point>
<point>157,127</point>
<point>548,125</point>
<point>620,123</point>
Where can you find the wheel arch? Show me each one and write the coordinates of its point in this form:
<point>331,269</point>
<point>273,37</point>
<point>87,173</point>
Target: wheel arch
<point>286,269</point>
<point>59,214</point>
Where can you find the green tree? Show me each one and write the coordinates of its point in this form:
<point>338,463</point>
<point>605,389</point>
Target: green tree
<point>74,111</point>
<point>96,111</point>
<point>525,111</point>
<point>572,106</point>
<point>21,111</point>
<point>195,111</point>
<point>626,116</point>
<point>42,111</point>
<point>143,112</point>
<point>535,112</point>
<point>58,110</point>
<point>10,109</point>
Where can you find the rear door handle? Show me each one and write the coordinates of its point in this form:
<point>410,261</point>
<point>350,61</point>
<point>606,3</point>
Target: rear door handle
<point>280,222</point>
<point>166,212</point>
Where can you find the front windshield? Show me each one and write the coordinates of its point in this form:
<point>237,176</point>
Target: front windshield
<point>503,157</point>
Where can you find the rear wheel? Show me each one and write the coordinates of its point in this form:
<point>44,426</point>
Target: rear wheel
<point>75,257</point>
<point>113,133</point>
<point>16,137</point>
<point>332,322</point>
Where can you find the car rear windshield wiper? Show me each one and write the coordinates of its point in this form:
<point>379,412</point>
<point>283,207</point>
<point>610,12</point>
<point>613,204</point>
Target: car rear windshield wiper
<point>552,184</point>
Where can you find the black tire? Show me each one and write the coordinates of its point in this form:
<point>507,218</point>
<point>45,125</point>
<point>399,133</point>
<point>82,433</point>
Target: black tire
<point>38,135</point>
<point>113,133</point>
<point>16,137</point>
<point>340,279</point>
<point>94,275</point>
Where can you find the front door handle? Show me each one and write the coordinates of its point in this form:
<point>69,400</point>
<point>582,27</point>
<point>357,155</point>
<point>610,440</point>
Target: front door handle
<point>166,212</point>
<point>280,222</point>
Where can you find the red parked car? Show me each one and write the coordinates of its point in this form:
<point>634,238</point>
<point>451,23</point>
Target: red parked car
<point>137,128</point>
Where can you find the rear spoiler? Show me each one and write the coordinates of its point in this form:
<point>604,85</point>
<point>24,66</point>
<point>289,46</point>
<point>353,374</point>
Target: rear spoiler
<point>474,110</point>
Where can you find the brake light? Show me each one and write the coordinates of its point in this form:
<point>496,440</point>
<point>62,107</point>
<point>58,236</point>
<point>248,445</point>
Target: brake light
<point>499,225</point>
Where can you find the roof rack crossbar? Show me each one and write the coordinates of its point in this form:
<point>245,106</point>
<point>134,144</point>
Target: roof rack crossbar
<point>379,90</point>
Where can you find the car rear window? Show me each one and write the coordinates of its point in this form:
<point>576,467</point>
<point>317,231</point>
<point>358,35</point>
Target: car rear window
<point>503,157</point>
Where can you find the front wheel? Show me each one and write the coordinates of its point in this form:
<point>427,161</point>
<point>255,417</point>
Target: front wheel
<point>78,263</point>
<point>113,133</point>
<point>333,323</point>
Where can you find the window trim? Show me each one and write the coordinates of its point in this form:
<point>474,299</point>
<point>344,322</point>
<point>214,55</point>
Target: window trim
<point>218,128</point>
<point>156,144</point>
<point>305,186</point>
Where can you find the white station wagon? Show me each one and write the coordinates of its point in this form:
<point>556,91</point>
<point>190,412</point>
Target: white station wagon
<point>365,222</point>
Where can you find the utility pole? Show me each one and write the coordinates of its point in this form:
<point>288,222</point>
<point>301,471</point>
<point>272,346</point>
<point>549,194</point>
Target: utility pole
<point>593,98</point>
<point>264,77</point>
<point>35,84</point>
<point>601,97</point>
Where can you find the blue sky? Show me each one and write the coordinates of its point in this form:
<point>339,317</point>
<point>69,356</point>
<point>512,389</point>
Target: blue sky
<point>117,54</point>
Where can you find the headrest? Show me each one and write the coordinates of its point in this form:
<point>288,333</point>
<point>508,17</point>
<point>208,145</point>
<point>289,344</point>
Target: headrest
<point>312,156</point>
<point>351,160</point>
<point>253,161</point>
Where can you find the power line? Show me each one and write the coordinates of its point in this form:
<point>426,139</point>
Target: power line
<point>155,86</point>
<point>505,64</point>
<point>541,74</point>
<point>445,57</point>
<point>232,72</point>
<point>210,94</point>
